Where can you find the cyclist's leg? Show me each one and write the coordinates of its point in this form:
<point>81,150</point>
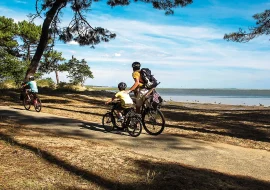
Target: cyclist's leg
<point>34,95</point>
<point>27,92</point>
<point>139,103</point>
<point>140,99</point>
<point>118,109</point>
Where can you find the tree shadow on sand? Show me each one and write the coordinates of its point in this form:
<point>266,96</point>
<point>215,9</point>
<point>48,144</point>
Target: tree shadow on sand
<point>75,111</point>
<point>153,175</point>
<point>251,124</point>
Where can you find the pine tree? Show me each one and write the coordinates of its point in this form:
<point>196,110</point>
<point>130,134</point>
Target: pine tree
<point>262,28</point>
<point>78,70</point>
<point>51,63</point>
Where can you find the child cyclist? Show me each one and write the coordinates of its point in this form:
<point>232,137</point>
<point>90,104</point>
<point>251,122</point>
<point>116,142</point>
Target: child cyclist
<point>125,100</point>
<point>32,85</point>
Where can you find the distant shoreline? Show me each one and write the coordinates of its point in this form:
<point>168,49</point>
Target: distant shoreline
<point>162,88</point>
<point>212,96</point>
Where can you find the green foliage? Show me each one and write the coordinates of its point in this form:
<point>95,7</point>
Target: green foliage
<point>50,62</point>
<point>78,71</point>
<point>262,28</point>
<point>10,66</point>
<point>15,57</point>
<point>8,32</point>
<point>29,33</point>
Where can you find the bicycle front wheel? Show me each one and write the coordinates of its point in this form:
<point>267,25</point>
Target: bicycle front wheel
<point>37,104</point>
<point>153,121</point>
<point>108,122</point>
<point>134,126</point>
<point>27,103</point>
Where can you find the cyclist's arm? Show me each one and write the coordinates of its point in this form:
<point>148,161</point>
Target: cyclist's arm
<point>135,85</point>
<point>112,99</point>
<point>25,84</point>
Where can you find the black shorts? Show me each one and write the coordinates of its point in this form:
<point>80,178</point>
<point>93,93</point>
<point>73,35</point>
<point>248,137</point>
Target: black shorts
<point>119,107</point>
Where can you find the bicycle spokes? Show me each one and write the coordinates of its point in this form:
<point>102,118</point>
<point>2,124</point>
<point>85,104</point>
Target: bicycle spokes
<point>37,104</point>
<point>109,120</point>
<point>135,127</point>
<point>153,122</point>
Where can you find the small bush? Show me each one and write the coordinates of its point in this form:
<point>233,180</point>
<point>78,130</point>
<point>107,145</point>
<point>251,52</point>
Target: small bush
<point>8,84</point>
<point>63,86</point>
<point>48,82</point>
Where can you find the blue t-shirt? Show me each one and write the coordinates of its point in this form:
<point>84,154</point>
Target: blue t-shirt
<point>33,86</point>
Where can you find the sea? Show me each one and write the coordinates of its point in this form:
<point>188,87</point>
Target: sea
<point>249,97</point>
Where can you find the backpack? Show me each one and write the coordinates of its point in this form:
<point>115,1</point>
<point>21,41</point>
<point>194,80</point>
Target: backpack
<point>156,100</point>
<point>149,80</point>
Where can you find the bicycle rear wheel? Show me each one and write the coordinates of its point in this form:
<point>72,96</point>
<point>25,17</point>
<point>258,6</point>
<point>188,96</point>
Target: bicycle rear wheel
<point>37,104</point>
<point>134,126</point>
<point>27,102</point>
<point>108,122</point>
<point>153,121</point>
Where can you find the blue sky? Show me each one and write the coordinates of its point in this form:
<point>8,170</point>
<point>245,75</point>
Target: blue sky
<point>185,50</point>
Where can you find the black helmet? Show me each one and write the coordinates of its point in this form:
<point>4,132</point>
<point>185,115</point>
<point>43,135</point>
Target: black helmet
<point>136,64</point>
<point>31,78</point>
<point>122,86</point>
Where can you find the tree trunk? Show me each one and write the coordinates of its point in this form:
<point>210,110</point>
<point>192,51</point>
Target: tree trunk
<point>43,39</point>
<point>57,76</point>
<point>28,53</point>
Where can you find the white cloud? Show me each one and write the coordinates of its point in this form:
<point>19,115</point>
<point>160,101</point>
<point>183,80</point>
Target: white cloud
<point>5,10</point>
<point>21,1</point>
<point>117,54</point>
<point>72,43</point>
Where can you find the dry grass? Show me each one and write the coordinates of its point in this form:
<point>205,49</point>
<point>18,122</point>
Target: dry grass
<point>35,159</point>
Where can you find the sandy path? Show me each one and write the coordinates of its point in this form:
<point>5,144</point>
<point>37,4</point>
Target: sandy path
<point>220,157</point>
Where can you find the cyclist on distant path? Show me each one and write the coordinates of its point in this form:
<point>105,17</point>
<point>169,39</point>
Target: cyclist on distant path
<point>138,86</point>
<point>32,85</point>
<point>125,100</point>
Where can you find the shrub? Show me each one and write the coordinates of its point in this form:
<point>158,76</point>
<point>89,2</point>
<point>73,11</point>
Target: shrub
<point>63,86</point>
<point>7,84</point>
<point>48,82</point>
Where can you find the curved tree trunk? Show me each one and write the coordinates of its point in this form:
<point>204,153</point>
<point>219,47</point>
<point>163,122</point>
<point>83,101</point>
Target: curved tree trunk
<point>43,39</point>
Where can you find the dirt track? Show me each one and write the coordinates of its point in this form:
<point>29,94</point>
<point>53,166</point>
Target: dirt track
<point>220,157</point>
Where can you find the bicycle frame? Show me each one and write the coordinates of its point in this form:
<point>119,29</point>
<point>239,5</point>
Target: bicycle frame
<point>132,122</point>
<point>125,113</point>
<point>32,99</point>
<point>146,97</point>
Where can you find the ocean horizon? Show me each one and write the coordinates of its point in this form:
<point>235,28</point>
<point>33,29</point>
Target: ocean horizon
<point>229,96</point>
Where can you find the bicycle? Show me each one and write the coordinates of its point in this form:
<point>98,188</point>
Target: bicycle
<point>131,123</point>
<point>32,99</point>
<point>152,118</point>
